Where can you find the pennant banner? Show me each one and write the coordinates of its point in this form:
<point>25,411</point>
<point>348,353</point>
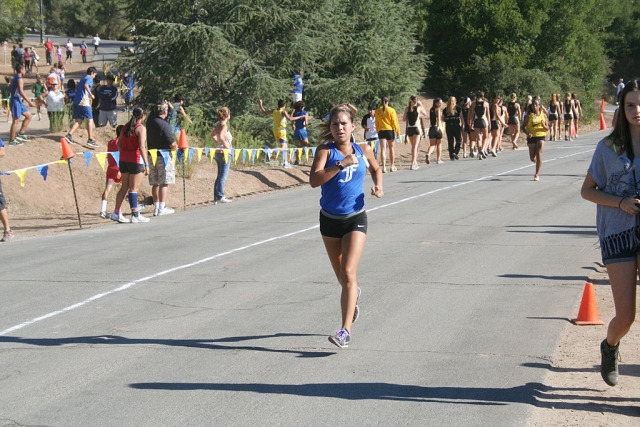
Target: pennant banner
<point>102,159</point>
<point>87,157</point>
<point>21,173</point>
<point>43,170</point>
<point>154,156</point>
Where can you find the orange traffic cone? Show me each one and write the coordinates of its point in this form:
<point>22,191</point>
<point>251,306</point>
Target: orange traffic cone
<point>67,152</point>
<point>588,314</point>
<point>603,124</point>
<point>182,142</point>
<point>602,106</point>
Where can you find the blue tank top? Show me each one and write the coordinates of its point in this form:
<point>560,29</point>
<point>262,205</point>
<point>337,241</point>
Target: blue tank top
<point>15,93</point>
<point>299,122</point>
<point>343,194</point>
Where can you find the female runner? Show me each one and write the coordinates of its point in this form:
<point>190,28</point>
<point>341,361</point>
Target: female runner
<point>388,129</point>
<point>536,126</point>
<point>569,114</point>
<point>466,134</point>
<point>414,131</point>
<point>578,106</point>
<point>513,121</point>
<point>452,118</point>
<point>339,166</point>
<point>612,184</point>
<point>479,123</point>
<point>554,111</point>
<point>435,131</point>
<point>496,124</point>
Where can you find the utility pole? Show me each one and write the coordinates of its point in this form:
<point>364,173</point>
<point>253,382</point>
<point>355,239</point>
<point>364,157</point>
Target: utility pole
<point>41,24</point>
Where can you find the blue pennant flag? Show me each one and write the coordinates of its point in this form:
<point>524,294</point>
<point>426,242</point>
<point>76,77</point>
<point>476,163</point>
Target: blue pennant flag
<point>191,150</point>
<point>43,170</point>
<point>87,157</point>
<point>244,155</point>
<point>116,156</point>
<point>165,156</point>
<point>4,173</point>
<point>253,156</point>
<point>180,154</point>
<point>206,151</point>
<point>313,151</point>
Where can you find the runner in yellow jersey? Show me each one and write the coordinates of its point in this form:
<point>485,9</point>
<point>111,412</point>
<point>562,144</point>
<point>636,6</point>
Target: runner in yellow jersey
<point>536,126</point>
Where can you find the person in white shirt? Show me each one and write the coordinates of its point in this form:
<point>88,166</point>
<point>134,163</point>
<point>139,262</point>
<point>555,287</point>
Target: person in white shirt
<point>96,43</point>
<point>69,47</point>
<point>54,102</point>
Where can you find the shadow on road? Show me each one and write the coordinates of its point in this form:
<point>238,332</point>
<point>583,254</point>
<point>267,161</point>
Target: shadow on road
<point>625,369</point>
<point>561,278</point>
<point>585,230</point>
<point>534,394</point>
<point>190,343</point>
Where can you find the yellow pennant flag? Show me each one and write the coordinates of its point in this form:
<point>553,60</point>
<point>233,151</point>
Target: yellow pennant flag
<point>258,152</point>
<point>199,151</point>
<point>236,154</point>
<point>277,150</point>
<point>154,155</point>
<point>102,159</point>
<point>174,155</point>
<point>212,154</point>
<point>225,153</point>
<point>21,173</point>
<point>306,153</point>
<point>61,161</point>
<point>299,154</point>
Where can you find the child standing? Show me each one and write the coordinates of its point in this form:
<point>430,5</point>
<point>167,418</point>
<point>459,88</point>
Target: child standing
<point>59,52</point>
<point>113,173</point>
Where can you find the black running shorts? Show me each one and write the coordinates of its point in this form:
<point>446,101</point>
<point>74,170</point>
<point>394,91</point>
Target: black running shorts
<point>339,227</point>
<point>389,135</point>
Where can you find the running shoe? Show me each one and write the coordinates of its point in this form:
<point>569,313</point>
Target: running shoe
<point>287,166</point>
<point>479,156</point>
<point>92,143</point>
<point>341,339</point>
<point>515,146</point>
<point>121,219</point>
<point>472,154</point>
<point>104,215</point>
<point>114,217</point>
<point>428,159</point>
<point>69,139</point>
<point>536,178</point>
<point>7,236</point>
<point>393,169</point>
<point>22,137</point>
<point>139,218</point>
<point>455,157</point>
<point>15,142</point>
<point>493,153</point>
<point>440,162</point>
<point>384,170</point>
<point>165,211</point>
<point>156,211</point>
<point>223,200</point>
<point>608,363</point>
<point>356,312</point>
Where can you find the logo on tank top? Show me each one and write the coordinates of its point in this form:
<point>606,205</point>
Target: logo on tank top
<point>349,170</point>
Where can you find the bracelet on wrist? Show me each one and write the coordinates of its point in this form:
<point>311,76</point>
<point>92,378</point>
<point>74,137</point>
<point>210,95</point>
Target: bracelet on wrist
<point>620,203</point>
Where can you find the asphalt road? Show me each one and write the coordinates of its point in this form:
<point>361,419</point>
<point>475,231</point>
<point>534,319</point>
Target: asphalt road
<point>220,315</point>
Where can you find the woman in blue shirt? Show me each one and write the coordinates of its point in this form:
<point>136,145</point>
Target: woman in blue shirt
<point>339,167</point>
<point>300,136</point>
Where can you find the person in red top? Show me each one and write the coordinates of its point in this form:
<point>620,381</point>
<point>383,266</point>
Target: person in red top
<point>113,173</point>
<point>133,163</point>
<point>48,46</point>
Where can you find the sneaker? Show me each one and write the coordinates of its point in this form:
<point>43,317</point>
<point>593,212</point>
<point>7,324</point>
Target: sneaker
<point>341,339</point>
<point>7,236</point>
<point>287,166</point>
<point>479,156</point>
<point>440,162</point>
<point>493,153</point>
<point>393,169</point>
<point>536,178</point>
<point>356,313</point>
<point>472,154</point>
<point>92,143</point>
<point>384,169</point>
<point>22,137</point>
<point>121,219</point>
<point>104,215</point>
<point>139,218</point>
<point>223,200</point>
<point>484,155</point>
<point>515,146</point>
<point>156,212</point>
<point>165,211</point>
<point>15,142</point>
<point>455,157</point>
<point>428,159</point>
<point>69,139</point>
<point>609,363</point>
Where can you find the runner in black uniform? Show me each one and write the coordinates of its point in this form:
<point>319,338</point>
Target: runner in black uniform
<point>513,121</point>
<point>452,117</point>
<point>466,134</point>
<point>411,116</point>
<point>479,123</point>
<point>578,106</point>
<point>554,115</point>
<point>435,131</point>
<point>569,114</point>
<point>495,114</point>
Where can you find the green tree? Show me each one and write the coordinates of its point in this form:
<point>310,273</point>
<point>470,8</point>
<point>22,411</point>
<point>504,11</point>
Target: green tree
<point>622,41</point>
<point>12,17</point>
<point>226,52</point>
<point>83,18</point>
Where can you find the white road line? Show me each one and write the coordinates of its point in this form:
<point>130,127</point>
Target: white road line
<point>242,248</point>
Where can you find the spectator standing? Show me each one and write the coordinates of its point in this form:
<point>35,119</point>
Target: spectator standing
<point>177,108</point>
<point>223,140</point>
<point>4,218</point>
<point>96,44</point>
<point>69,51</point>
<point>95,102</point>
<point>54,101</point>
<point>18,109</point>
<point>113,173</point>
<point>6,95</point>
<point>70,93</point>
<point>14,58</point>
<point>83,51</point>
<point>27,60</point>
<point>48,48</point>
<point>162,174</point>
<point>129,85</point>
<point>300,134</point>
<point>619,90</point>
<point>108,97</point>
<point>298,86</point>
<point>59,54</point>
<point>82,107</point>
<point>133,163</point>
<point>280,117</point>
<point>388,129</point>
<point>40,91</point>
